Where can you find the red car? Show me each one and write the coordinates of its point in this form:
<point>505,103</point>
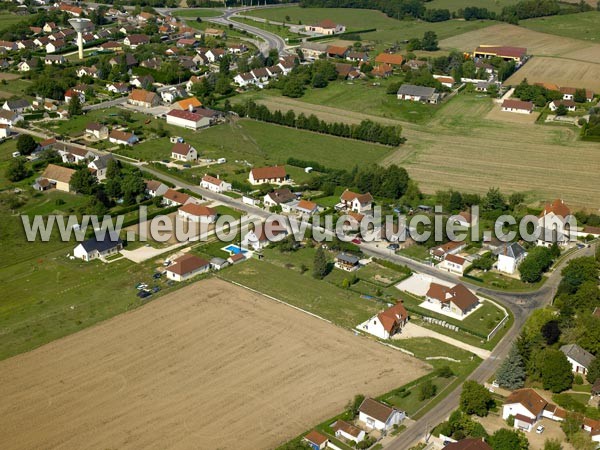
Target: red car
<point>356,241</point>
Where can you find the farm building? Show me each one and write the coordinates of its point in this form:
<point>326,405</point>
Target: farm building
<point>186,267</point>
<point>418,94</point>
<point>517,106</point>
<point>199,118</point>
<point>56,177</point>
<point>516,54</point>
<point>376,415</point>
<point>98,248</point>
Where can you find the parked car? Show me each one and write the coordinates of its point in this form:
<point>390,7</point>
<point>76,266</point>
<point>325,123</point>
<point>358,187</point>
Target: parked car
<point>393,246</point>
<point>540,429</point>
<point>356,241</point>
<point>157,275</point>
<point>155,289</point>
<point>144,294</point>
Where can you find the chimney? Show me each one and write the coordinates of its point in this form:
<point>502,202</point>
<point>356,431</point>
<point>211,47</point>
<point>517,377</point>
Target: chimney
<point>191,108</point>
<point>218,176</point>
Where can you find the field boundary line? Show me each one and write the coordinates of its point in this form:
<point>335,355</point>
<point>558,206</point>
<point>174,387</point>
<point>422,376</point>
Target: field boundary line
<point>270,297</point>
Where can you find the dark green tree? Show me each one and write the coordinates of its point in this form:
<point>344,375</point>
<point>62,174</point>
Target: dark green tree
<point>75,108</point>
<point>475,399</point>
<point>427,390</point>
<point>17,170</point>
<point>511,374</point>
<point>321,265</point>
<point>430,41</point>
<point>83,181</point>
<point>593,372</point>
<point>556,371</point>
<point>26,145</point>
<point>505,439</point>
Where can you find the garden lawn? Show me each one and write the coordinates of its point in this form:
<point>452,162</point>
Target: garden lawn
<point>501,282</point>
<point>199,13</point>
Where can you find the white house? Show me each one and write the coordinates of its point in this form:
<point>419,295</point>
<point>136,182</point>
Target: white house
<point>155,188</point>
<point>555,224</point>
<point>464,219</point>
<point>526,406</point>
<point>348,431</point>
<point>316,440</point>
<point>118,88</point>
<point>94,248</point>
<point>509,257</point>
<point>244,79</point>
<point>186,267</point>
<point>214,184</point>
<point>273,175</point>
<point>169,95</point>
<point>175,198</point>
<point>579,358</point>
<point>183,152</point>
<point>9,118</point>
<point>307,208</point>
<point>193,212</point>
<point>421,94</point>
<point>359,203</point>
<point>326,27</point>
<point>454,263</point>
<point>376,415</point>
<point>387,323</point>
<point>517,106</point>
<point>278,197</point>
<point>569,104</point>
<point>99,165</point>
<point>97,130</point>
<point>18,106</point>
<point>458,299</point>
<point>122,137</point>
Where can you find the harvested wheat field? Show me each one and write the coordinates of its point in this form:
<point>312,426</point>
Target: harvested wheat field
<point>210,366</point>
<point>578,74</point>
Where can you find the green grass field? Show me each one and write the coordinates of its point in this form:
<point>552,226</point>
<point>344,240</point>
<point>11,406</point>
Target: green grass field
<point>584,26</point>
<point>454,5</point>
<point>7,20</point>
<point>388,30</point>
<point>199,13</point>
<point>280,30</point>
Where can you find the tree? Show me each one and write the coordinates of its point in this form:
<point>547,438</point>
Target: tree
<point>593,372</point>
<point>561,110</point>
<point>505,439</point>
<point>17,170</point>
<point>83,181</point>
<point>535,264</point>
<point>321,265</point>
<point>475,399</point>
<point>132,186</point>
<point>551,332</point>
<point>511,374</point>
<point>427,390</point>
<point>75,108</point>
<point>556,371</point>
<point>293,87</point>
<point>429,41</point>
<point>26,145</point>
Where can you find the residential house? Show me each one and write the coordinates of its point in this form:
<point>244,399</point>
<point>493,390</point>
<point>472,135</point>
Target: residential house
<point>307,208</point>
<point>347,262</point>
<point>357,56</point>
<point>143,98</point>
<point>183,152</point>
<point>96,130</point>
<point>193,212</point>
<point>517,106</point>
<point>213,32</point>
<point>579,358</point>
<point>18,106</point>
<point>122,137</point>
<point>175,198</point>
<point>188,104</point>
<point>171,94</point>
<point>375,415</point>
<point>214,184</point>
<point>261,75</point>
<point>421,94</point>
<point>273,175</point>
<point>263,235</point>
<point>279,197</point>
<point>454,263</point>
<point>570,105</point>
<point>464,219</point>
<point>569,93</point>
<point>526,406</point>
<point>186,267</point>
<point>72,93</point>
<point>56,177</point>
<point>99,165</point>
<point>129,61</point>
<point>382,71</point>
<point>218,263</point>
<point>468,444</point>
<point>316,440</point>
<point>135,40</point>
<point>392,59</point>
<point>244,79</point>
<point>118,88</point>
<point>445,80</point>
<point>510,255</point>
<point>155,188</point>
<point>95,248</point>
<point>186,42</point>
<point>336,51</point>
<point>348,431</point>
<point>312,50</point>
<point>73,155</point>
<point>554,224</point>
<point>458,299</point>
<point>450,248</point>
<point>326,27</point>
<point>26,66</point>
<point>88,72</point>
<point>49,27</point>
<point>112,46</point>
<point>200,118</point>
<point>55,46</point>
<point>236,49</point>
<point>4,131</point>
<point>516,54</point>
<point>353,201</point>
<point>9,118</point>
<point>215,54</point>
<point>387,323</point>
<point>192,81</point>
<point>54,59</point>
<point>236,258</point>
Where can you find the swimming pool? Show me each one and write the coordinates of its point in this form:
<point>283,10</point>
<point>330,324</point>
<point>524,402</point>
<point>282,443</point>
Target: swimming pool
<point>234,249</point>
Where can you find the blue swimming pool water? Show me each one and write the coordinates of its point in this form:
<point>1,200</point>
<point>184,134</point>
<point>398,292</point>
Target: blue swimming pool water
<point>234,249</point>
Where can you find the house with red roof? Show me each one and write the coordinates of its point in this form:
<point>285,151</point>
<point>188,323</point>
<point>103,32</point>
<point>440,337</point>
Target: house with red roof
<point>554,224</point>
<point>316,440</point>
<point>517,106</point>
<point>186,267</point>
<point>353,201</point>
<point>192,120</point>
<point>214,184</point>
<point>387,323</point>
<point>183,152</point>
<point>272,175</point>
<point>193,212</point>
<point>454,263</point>
<point>326,27</point>
<point>458,299</point>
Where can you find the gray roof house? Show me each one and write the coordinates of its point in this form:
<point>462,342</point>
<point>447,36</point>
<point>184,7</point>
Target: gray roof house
<point>512,250</point>
<point>95,248</point>
<point>218,263</point>
<point>18,105</point>
<point>579,358</point>
<point>418,93</point>
<point>346,261</point>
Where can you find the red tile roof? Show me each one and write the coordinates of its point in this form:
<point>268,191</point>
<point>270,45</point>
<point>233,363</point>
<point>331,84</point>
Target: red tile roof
<point>390,58</point>
<point>187,264</point>
<point>459,295</point>
<point>176,196</point>
<point>502,51</point>
<point>268,173</point>
<point>530,399</point>
<point>517,104</point>
<point>198,210</point>
<point>558,207</point>
<point>181,149</point>
<point>391,317</point>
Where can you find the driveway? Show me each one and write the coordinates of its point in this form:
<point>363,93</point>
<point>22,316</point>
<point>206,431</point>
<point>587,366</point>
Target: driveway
<point>410,330</point>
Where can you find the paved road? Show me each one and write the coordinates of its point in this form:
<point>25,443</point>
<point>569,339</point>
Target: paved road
<point>106,104</point>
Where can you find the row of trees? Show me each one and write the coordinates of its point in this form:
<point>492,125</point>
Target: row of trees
<point>365,131</point>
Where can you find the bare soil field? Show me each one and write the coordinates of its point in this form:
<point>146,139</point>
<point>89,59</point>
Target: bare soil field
<point>210,366</point>
<point>9,76</point>
<point>538,44</point>
<point>466,147</point>
<point>560,71</point>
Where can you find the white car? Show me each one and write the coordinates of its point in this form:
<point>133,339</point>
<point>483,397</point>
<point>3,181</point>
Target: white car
<point>540,429</point>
